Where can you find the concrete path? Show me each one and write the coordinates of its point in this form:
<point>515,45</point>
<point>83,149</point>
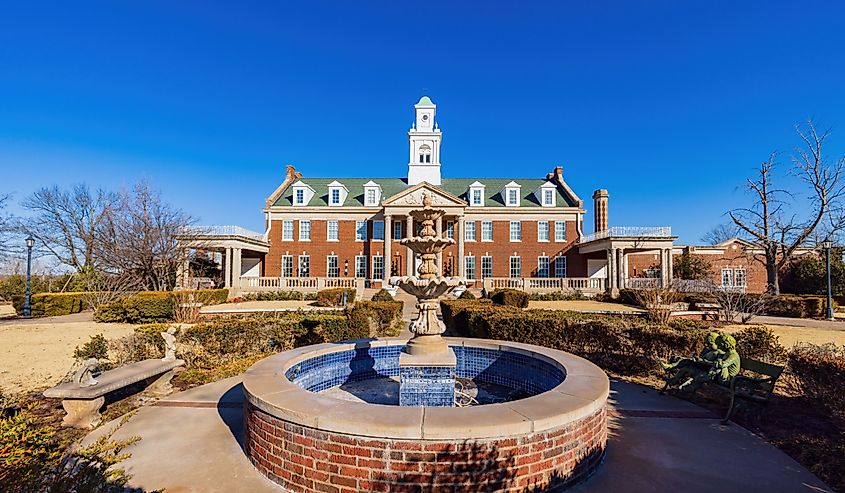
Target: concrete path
<point>191,442</point>
<point>810,323</point>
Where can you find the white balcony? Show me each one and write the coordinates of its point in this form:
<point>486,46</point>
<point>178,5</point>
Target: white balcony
<point>587,285</point>
<point>629,232</point>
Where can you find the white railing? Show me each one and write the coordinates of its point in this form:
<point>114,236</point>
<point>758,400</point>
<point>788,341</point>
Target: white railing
<point>305,284</point>
<point>629,231</point>
<point>227,231</point>
<point>546,284</point>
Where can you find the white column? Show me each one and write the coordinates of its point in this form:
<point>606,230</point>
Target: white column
<point>665,267</point>
<point>236,268</point>
<point>460,234</point>
<point>227,269</point>
<point>611,269</point>
<point>409,260</point>
<point>671,266</point>
<point>620,268</point>
<point>388,239</point>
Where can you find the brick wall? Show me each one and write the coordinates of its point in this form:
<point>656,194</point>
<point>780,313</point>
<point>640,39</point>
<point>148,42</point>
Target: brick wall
<point>305,459</point>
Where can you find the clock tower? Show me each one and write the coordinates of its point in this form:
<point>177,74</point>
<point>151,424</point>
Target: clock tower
<point>424,142</point>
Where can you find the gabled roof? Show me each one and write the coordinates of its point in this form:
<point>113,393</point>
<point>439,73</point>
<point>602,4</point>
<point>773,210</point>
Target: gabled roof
<point>415,193</point>
<point>425,101</point>
<point>336,183</point>
<point>476,183</point>
<point>371,183</point>
<point>301,183</point>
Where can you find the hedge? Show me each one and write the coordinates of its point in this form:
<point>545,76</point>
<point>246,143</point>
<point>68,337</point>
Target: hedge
<point>334,296</point>
<point>279,296</point>
<point>382,295</point>
<point>381,318</point>
<point>53,304</point>
<point>808,306</point>
<point>154,306</point>
<point>821,371</point>
<point>510,297</point>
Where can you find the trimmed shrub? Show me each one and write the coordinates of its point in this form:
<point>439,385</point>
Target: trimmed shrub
<point>334,296</point>
<point>467,295</point>
<point>210,296</point>
<point>154,306</point>
<point>760,343</point>
<point>510,297</point>
<point>382,295</point>
<point>279,296</point>
<point>559,296</point>
<point>97,348</point>
<point>376,318</point>
<point>798,306</point>
<point>628,297</point>
<point>821,371</point>
<point>53,304</point>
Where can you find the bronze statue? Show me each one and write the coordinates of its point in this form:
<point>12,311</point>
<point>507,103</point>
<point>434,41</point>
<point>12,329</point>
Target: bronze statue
<point>718,362</point>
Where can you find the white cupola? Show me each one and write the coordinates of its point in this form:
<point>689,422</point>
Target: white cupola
<point>424,143</point>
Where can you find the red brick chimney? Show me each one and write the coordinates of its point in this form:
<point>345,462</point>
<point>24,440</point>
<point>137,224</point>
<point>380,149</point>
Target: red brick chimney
<point>600,197</point>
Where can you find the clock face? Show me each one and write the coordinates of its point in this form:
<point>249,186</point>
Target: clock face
<point>425,118</point>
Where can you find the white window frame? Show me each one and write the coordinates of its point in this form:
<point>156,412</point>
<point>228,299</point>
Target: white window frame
<point>477,197</point>
<point>469,231</point>
<point>360,266</point>
<point>515,267</point>
<point>512,197</point>
<point>287,265</point>
<point>560,266</point>
<point>560,231</point>
<point>287,230</point>
<point>329,267</point>
<point>548,198</point>
<point>741,277</point>
<point>306,268</point>
<point>360,230</point>
<point>370,196</point>
<point>378,266</point>
<point>332,199</point>
<point>515,231</point>
<point>727,278</point>
<point>543,270</point>
<point>329,229</point>
<point>450,229</point>
<point>486,266</point>
<point>304,230</point>
<point>487,237</point>
<point>378,230</point>
<point>543,227</point>
<point>469,267</point>
<point>397,230</point>
<point>299,196</point>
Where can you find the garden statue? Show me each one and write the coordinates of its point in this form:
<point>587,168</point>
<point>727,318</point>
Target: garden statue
<point>169,344</point>
<point>84,375</point>
<point>718,362</point>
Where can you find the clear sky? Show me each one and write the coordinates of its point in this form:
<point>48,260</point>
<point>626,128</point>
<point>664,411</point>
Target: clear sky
<point>669,105</point>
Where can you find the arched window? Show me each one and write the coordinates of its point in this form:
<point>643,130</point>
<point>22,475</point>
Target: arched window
<point>425,153</point>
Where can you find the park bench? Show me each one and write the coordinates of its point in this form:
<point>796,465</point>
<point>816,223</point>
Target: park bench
<point>83,397</point>
<point>747,388</point>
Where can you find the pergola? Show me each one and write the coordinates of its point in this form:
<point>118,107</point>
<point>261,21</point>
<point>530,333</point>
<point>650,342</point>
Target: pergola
<point>242,252</point>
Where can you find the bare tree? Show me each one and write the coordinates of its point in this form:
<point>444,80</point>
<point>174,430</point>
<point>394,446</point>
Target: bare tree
<point>657,301</point>
<point>102,287</point>
<point>736,304</point>
<point>65,223</point>
<point>720,233</point>
<point>138,237</point>
<point>778,229</point>
<point>6,228</point>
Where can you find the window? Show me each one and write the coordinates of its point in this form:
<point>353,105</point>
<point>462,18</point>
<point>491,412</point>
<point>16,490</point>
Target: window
<point>513,196</point>
<point>287,230</point>
<point>516,231</point>
<point>335,197</point>
<point>486,230</point>
<point>469,267</point>
<point>560,231</point>
<point>304,230</point>
<point>486,267</point>
<point>469,231</point>
<point>516,267</point>
<point>727,278</point>
<point>371,197</point>
<point>740,278</point>
<point>560,266</point>
<point>548,197</point>
<point>397,230</point>
<point>360,230</point>
<point>360,266</point>
<point>287,265</point>
<point>378,267</point>
<point>378,230</point>
<point>300,196</point>
<point>476,196</point>
<point>542,266</point>
<point>542,231</point>
<point>331,230</point>
<point>450,229</point>
<point>304,266</point>
<point>425,153</point>
<point>332,269</point>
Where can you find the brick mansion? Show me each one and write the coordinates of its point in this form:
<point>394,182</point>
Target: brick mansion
<point>519,232</point>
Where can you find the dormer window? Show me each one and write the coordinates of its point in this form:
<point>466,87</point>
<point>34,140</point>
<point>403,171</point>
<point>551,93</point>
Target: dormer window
<point>475,196</point>
<point>511,194</point>
<point>547,194</point>
<point>425,153</point>
<point>548,197</point>
<point>371,197</point>
<point>337,193</point>
<point>302,193</point>
<point>372,193</point>
<point>300,197</point>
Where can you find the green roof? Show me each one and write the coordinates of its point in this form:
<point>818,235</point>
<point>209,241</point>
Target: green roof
<point>425,101</point>
<point>391,186</point>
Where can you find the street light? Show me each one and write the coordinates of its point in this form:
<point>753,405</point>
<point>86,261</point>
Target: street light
<point>30,242</point>
<point>827,245</point>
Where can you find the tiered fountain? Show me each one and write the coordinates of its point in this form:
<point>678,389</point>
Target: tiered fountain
<point>427,364</point>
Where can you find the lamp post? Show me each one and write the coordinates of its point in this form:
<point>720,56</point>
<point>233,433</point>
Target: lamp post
<point>30,242</point>
<point>827,245</point>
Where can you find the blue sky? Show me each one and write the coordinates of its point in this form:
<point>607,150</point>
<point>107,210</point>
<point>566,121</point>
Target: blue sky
<point>669,105</point>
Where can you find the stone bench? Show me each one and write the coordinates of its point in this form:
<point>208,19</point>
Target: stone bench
<point>82,402</point>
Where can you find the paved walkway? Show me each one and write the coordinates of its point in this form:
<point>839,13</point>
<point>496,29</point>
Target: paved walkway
<point>810,323</point>
<point>191,443</point>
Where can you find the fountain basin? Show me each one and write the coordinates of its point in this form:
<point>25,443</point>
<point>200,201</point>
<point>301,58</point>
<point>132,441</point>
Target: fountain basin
<point>303,438</point>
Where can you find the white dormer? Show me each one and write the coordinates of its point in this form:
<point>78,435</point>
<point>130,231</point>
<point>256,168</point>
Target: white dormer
<point>547,194</point>
<point>372,193</point>
<point>475,195</point>
<point>302,193</point>
<point>337,193</point>
<point>511,194</point>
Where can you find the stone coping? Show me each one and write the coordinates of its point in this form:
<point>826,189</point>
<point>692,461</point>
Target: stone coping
<point>111,380</point>
<point>583,393</point>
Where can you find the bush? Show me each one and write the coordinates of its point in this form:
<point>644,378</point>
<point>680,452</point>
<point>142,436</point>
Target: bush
<point>382,295</point>
<point>628,297</point>
<point>460,319</point>
<point>559,296</point>
<point>760,343</point>
<point>509,297</point>
<point>820,371</point>
<point>53,304</point>
<point>154,306</point>
<point>798,306</point>
<point>334,296</point>
<point>279,296</point>
<point>467,295</point>
<point>376,318</point>
<point>97,348</point>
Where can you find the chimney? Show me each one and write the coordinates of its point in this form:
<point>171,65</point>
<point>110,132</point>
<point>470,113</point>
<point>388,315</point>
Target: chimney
<point>600,209</point>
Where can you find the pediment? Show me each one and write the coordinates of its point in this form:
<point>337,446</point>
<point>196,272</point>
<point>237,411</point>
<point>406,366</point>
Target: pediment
<point>414,196</point>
